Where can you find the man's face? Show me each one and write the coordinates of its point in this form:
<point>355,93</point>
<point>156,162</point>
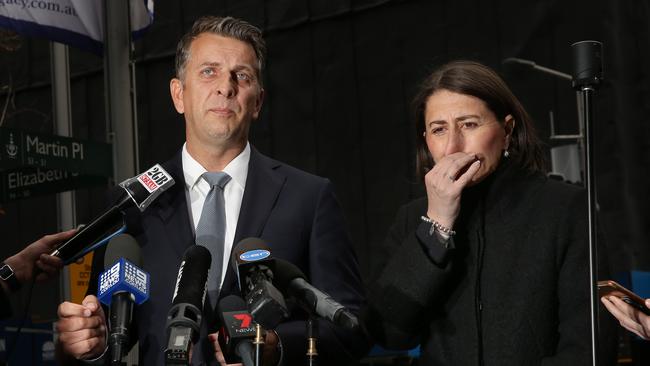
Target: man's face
<point>220,94</point>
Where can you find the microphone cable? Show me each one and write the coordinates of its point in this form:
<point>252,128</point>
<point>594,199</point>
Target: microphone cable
<point>12,346</point>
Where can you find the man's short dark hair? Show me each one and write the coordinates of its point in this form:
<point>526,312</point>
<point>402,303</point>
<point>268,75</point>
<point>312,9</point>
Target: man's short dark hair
<point>224,26</point>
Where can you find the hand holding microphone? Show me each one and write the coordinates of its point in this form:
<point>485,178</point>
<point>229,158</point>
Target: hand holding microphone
<point>32,261</point>
<point>235,341</point>
<point>82,328</point>
<point>121,286</point>
<point>237,332</point>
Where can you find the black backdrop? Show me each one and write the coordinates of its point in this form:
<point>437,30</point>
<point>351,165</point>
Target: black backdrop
<point>339,79</point>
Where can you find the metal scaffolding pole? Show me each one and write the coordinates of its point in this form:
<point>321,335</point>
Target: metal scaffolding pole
<point>66,204</point>
<point>120,89</point>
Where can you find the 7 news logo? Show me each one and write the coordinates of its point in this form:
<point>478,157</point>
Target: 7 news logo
<point>245,319</point>
<point>242,323</point>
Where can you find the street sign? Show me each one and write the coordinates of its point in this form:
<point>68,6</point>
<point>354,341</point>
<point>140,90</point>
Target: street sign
<point>20,148</point>
<point>28,182</point>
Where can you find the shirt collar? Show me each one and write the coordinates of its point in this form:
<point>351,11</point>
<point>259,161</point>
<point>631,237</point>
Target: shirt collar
<point>237,168</point>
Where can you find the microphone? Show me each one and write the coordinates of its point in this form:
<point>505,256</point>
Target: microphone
<point>290,280</point>
<point>587,64</point>
<point>140,191</point>
<point>237,331</point>
<point>121,285</point>
<point>251,260</point>
<point>184,317</point>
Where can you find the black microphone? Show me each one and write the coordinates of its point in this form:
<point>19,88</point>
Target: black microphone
<point>140,191</point>
<point>291,281</point>
<point>237,331</point>
<point>184,317</point>
<point>122,285</point>
<point>587,64</point>
<point>251,260</point>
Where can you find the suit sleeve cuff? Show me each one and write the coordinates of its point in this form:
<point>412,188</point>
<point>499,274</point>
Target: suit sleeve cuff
<point>436,246</point>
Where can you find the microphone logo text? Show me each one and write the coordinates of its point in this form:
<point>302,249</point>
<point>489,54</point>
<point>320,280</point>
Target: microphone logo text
<point>245,320</point>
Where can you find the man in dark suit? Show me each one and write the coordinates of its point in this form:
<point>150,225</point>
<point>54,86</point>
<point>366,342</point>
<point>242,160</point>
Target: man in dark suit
<point>218,89</point>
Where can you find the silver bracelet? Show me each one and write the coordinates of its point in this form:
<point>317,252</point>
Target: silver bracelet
<point>435,225</point>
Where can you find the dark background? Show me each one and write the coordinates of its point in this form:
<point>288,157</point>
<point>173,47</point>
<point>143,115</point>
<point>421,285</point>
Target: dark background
<point>339,80</point>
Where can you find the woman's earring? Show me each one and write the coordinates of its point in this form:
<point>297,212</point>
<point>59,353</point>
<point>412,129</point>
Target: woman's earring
<point>506,153</point>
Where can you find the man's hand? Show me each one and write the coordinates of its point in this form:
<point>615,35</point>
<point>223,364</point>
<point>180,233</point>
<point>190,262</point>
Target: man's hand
<point>270,356</point>
<point>35,255</point>
<point>630,318</point>
<point>218,353</point>
<point>82,328</point>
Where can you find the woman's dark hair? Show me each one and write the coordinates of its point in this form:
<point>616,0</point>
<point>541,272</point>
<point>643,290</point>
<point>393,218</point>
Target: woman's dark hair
<point>480,81</point>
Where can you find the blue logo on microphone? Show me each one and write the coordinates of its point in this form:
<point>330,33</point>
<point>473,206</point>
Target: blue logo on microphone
<point>254,255</point>
<point>123,276</point>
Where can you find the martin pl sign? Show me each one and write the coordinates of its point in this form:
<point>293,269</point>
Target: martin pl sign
<point>33,164</point>
<point>21,148</point>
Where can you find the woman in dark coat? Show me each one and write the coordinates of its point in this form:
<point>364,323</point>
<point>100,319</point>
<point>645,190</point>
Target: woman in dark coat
<point>491,267</point>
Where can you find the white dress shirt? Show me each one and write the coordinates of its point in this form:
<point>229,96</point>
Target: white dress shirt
<point>196,189</point>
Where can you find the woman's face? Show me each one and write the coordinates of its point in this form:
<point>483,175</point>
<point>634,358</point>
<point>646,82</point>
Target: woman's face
<point>463,123</point>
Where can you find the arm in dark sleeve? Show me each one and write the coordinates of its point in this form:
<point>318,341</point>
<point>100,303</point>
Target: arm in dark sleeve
<point>5,304</point>
<point>414,268</point>
<point>333,270</point>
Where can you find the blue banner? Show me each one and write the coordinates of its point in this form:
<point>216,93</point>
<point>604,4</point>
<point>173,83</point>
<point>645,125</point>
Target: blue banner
<point>78,23</point>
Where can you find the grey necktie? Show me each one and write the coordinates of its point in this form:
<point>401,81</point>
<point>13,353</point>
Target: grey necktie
<point>211,230</point>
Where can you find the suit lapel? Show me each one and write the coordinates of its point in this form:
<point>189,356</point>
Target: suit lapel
<point>263,186</point>
<point>173,210</point>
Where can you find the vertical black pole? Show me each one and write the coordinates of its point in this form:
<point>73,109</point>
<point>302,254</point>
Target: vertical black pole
<point>587,74</point>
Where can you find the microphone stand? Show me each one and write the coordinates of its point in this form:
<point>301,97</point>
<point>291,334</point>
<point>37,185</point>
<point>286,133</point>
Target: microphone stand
<point>312,335</point>
<point>587,75</point>
<point>258,342</point>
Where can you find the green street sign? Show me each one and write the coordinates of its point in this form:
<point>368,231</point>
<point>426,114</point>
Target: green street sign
<point>29,182</point>
<point>20,148</point>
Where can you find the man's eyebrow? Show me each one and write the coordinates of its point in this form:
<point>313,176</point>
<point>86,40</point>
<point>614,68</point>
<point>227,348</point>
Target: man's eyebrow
<point>245,67</point>
<point>239,67</point>
<point>213,64</point>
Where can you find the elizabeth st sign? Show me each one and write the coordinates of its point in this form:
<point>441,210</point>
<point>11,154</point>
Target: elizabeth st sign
<point>34,164</point>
